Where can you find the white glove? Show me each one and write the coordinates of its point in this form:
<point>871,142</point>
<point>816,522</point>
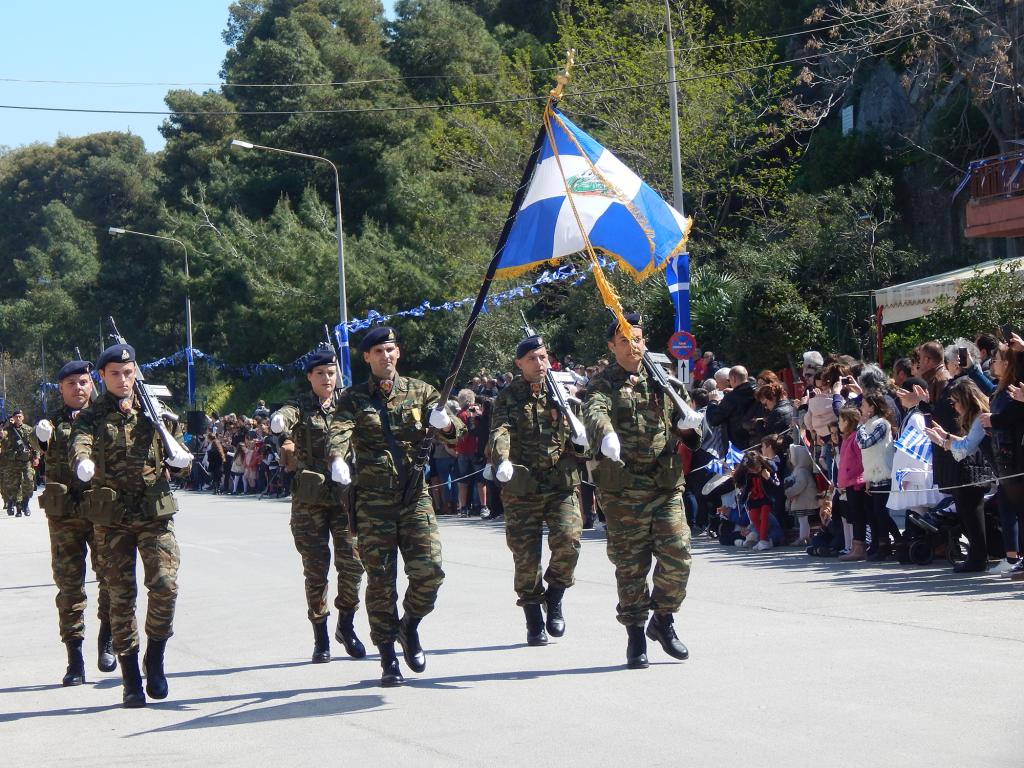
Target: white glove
<point>277,424</point>
<point>86,469</point>
<point>691,420</point>
<point>439,419</point>
<point>582,441</point>
<point>504,471</point>
<point>180,459</point>
<point>489,472</point>
<point>610,446</point>
<point>44,431</point>
<point>340,473</point>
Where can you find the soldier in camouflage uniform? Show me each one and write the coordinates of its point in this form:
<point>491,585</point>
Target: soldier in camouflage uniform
<point>319,511</point>
<point>71,534</point>
<point>114,445</point>
<point>18,457</point>
<point>383,422</point>
<point>639,481</point>
<point>536,463</point>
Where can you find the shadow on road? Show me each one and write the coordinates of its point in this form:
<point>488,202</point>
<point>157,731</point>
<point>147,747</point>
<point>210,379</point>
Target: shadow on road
<point>890,576</point>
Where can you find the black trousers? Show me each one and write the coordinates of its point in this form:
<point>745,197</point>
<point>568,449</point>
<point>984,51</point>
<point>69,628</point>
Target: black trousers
<point>856,512</point>
<point>882,524</point>
<point>970,507</point>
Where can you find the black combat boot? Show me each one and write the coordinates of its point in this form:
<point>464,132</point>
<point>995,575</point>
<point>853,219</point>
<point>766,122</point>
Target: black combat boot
<point>75,674</point>
<point>10,508</point>
<point>346,635</point>
<point>106,660</point>
<point>409,639</point>
<point>321,643</point>
<point>391,673</point>
<point>636,649</point>
<point>153,665</point>
<point>660,629</point>
<point>17,508</point>
<point>24,507</point>
<point>535,634</point>
<point>556,622</point>
<point>132,696</point>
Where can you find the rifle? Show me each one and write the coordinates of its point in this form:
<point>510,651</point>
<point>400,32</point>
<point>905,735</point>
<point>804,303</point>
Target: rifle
<point>172,448</point>
<point>667,384</point>
<point>579,434</point>
<point>339,382</point>
<point>19,441</point>
<point>93,394</point>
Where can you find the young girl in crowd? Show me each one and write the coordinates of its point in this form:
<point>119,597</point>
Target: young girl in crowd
<point>850,483</point>
<point>874,438</point>
<point>801,491</point>
<point>759,485</point>
<point>238,470</point>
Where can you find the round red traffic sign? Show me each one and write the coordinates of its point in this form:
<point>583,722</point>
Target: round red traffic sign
<point>682,345</point>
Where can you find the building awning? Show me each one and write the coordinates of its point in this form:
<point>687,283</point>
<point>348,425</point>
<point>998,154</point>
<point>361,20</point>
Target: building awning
<point>909,301</point>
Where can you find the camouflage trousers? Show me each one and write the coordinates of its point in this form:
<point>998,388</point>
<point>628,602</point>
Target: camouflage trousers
<point>525,517</point>
<point>644,522</point>
<point>70,538</point>
<point>313,528</point>
<point>385,529</point>
<point>17,481</point>
<point>157,547</point>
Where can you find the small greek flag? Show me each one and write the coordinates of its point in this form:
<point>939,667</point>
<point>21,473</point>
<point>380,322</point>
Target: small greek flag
<point>915,444</point>
<point>733,456</point>
<point>716,467</point>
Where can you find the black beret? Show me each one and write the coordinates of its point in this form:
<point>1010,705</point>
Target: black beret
<point>381,335</point>
<point>17,411</point>
<point>119,353</point>
<point>633,318</point>
<point>74,368</point>
<point>319,356</point>
<point>528,344</point>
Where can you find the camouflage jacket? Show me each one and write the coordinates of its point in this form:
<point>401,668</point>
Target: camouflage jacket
<point>123,444</point>
<point>307,425</point>
<point>527,428</point>
<point>357,426</point>
<point>56,450</point>
<point>633,407</point>
<point>17,444</point>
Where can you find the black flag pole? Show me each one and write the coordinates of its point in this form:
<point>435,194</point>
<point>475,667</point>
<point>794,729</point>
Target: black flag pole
<point>416,475</point>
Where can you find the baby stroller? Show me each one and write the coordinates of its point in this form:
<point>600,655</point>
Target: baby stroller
<point>942,533</point>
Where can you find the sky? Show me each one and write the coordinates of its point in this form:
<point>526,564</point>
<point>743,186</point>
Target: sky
<point>161,41</point>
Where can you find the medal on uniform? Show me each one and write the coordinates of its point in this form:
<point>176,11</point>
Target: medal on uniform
<point>385,387</point>
<point>125,405</point>
<point>74,415</point>
<point>633,380</point>
<point>535,388</point>
<point>416,415</point>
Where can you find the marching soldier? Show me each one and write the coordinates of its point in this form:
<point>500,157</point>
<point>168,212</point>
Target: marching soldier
<point>319,513</point>
<point>536,463</point>
<point>71,534</point>
<point>383,421</point>
<point>639,481</point>
<point>114,445</point>
<point>18,458</point>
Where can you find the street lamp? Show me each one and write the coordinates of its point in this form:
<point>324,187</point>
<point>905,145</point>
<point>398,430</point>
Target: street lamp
<point>346,365</point>
<point>190,369</point>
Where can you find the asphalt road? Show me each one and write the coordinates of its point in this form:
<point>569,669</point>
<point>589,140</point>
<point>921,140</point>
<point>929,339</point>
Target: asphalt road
<point>793,662</point>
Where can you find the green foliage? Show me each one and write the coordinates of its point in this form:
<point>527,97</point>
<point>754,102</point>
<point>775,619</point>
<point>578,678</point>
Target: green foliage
<point>981,305</point>
<point>772,321</point>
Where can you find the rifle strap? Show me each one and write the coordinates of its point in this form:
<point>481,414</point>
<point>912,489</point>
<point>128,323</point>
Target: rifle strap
<point>389,438</point>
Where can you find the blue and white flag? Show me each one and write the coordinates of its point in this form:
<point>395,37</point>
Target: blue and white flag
<point>620,214</point>
<point>733,456</point>
<point>677,277</point>
<point>915,444</point>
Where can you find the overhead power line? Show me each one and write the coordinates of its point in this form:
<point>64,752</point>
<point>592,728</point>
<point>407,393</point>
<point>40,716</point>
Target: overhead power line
<point>452,105</point>
<point>403,78</point>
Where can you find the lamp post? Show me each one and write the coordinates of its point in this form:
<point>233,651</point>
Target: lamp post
<point>190,370</point>
<point>346,365</point>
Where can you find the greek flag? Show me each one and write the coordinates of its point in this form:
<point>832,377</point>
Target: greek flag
<point>621,215</point>
<point>915,444</point>
<point>677,277</point>
<point>733,457</point>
